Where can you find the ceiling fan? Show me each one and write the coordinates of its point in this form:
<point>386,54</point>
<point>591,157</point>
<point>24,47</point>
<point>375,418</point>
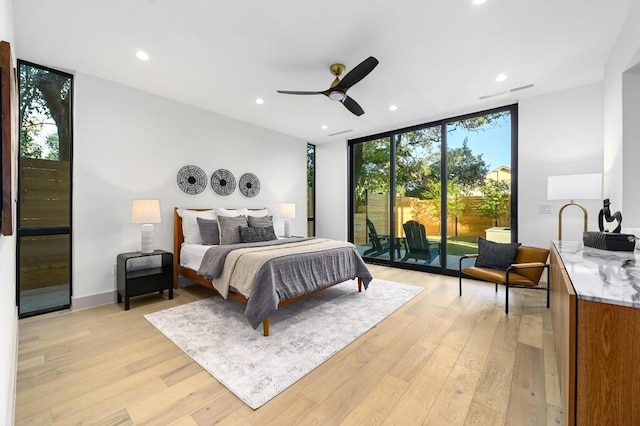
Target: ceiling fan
<point>338,89</point>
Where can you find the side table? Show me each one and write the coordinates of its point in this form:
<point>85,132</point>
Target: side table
<point>143,281</point>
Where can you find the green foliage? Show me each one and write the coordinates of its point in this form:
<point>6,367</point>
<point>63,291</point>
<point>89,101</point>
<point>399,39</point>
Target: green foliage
<point>455,199</point>
<point>496,201</point>
<point>468,169</point>
<point>44,101</point>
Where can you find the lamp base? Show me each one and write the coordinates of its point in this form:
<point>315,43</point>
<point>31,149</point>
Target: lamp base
<point>287,228</point>
<point>146,241</point>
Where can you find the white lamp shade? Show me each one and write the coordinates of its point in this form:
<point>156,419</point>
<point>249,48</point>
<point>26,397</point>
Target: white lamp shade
<point>145,211</point>
<point>288,210</point>
<point>575,187</point>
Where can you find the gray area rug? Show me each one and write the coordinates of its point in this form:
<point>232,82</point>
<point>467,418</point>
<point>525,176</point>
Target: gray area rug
<point>304,334</point>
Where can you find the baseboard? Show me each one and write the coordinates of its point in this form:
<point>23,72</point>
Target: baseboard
<point>86,302</point>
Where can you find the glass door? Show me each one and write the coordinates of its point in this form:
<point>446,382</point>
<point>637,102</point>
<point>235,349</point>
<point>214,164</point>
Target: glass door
<point>370,202</point>
<point>44,190</point>
<point>422,196</point>
<point>479,182</point>
<point>418,191</point>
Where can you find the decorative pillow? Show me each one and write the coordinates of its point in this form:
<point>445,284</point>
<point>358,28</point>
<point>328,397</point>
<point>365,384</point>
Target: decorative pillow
<point>219,211</point>
<point>209,231</point>
<point>257,213</point>
<point>496,255</point>
<point>254,235</point>
<point>190,228</point>
<point>260,222</point>
<point>230,229</point>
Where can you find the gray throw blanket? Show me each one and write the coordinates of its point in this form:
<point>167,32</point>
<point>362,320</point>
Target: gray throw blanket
<point>282,277</point>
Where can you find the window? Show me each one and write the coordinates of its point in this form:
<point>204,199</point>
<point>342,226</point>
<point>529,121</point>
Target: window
<point>44,190</point>
<point>311,190</point>
<point>422,196</point>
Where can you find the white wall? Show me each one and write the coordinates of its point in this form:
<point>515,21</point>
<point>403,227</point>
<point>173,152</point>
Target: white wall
<point>622,173</point>
<point>130,144</point>
<point>8,311</point>
<point>332,190</point>
<point>559,134</point>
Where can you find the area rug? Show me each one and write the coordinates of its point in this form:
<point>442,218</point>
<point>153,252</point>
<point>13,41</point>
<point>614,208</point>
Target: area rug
<point>304,334</point>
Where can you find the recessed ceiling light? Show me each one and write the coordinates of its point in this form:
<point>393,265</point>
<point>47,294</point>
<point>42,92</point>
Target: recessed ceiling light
<point>259,101</point>
<point>324,127</point>
<point>501,77</point>
<point>142,55</point>
<point>393,108</point>
<point>478,1</point>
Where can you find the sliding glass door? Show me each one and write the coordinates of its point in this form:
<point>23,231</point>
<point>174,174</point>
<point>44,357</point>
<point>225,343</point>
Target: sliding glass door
<point>421,197</point>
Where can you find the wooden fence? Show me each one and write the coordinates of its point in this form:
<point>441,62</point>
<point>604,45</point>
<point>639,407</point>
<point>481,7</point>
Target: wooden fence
<point>44,201</point>
<point>471,223</point>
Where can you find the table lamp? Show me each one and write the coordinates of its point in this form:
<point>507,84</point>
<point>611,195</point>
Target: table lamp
<point>288,212</point>
<point>146,212</point>
<point>574,187</point>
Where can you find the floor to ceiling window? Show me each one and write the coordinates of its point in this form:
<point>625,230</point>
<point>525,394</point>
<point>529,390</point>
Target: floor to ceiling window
<point>44,190</point>
<point>311,190</point>
<point>421,197</point>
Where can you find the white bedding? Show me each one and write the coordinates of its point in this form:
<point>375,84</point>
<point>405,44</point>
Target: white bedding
<point>191,255</point>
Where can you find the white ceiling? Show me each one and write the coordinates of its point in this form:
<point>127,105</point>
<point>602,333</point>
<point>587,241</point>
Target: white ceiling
<point>437,57</point>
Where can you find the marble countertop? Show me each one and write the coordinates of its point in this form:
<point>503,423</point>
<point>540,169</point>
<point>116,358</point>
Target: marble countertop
<point>601,275</point>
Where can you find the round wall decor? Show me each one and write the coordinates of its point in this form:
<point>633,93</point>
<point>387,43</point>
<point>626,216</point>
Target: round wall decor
<point>192,179</point>
<point>249,185</point>
<point>223,182</point>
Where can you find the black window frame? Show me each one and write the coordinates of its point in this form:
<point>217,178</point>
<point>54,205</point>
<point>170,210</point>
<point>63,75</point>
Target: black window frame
<point>392,134</point>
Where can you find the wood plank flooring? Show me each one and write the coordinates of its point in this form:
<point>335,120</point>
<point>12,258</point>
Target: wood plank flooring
<point>439,360</point>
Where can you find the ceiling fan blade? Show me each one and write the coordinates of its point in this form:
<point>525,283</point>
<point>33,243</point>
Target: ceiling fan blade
<point>358,73</point>
<point>353,106</point>
<point>294,92</point>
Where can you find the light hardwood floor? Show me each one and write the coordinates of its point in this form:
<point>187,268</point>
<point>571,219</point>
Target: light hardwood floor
<point>439,360</point>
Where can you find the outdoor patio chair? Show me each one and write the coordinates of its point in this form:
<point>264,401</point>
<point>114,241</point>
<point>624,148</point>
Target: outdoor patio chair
<point>418,246</point>
<point>379,243</point>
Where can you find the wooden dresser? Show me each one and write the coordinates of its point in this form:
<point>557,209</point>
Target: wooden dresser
<point>595,309</point>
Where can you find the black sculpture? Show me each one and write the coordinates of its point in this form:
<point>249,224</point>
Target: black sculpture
<point>605,213</point>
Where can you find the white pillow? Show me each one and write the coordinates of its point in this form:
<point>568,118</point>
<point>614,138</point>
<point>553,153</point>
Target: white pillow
<point>190,228</point>
<point>219,211</point>
<point>258,213</point>
<point>231,212</point>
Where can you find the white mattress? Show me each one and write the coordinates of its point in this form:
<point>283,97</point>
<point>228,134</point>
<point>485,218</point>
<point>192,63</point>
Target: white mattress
<point>191,255</point>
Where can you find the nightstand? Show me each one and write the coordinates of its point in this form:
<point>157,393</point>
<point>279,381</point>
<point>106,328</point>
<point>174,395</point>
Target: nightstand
<point>142,281</point>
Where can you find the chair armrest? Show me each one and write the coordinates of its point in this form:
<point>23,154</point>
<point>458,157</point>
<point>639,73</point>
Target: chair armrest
<point>466,256</point>
<point>528,265</point>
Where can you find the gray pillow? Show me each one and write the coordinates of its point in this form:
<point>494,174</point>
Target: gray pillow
<point>496,255</point>
<point>260,222</point>
<point>230,229</point>
<point>256,234</point>
<point>209,231</point>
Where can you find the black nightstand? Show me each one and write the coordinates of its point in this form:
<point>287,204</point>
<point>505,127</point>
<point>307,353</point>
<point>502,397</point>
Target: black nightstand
<point>143,281</point>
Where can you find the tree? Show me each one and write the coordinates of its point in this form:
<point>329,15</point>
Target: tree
<point>44,99</point>
<point>455,201</point>
<point>496,200</point>
<point>417,160</point>
<point>468,169</point>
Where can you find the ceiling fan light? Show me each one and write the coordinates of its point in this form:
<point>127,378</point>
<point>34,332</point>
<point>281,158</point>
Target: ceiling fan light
<point>336,95</point>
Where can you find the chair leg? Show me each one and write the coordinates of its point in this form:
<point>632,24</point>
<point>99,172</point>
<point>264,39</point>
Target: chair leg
<point>496,287</point>
<point>460,275</point>
<point>506,305</point>
<point>548,288</point>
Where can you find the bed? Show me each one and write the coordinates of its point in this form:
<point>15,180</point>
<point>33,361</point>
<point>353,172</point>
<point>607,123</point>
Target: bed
<point>263,275</point>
